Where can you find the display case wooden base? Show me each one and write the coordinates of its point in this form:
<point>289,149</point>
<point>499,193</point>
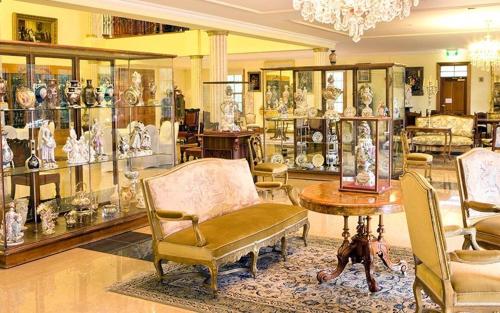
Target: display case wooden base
<point>63,240</point>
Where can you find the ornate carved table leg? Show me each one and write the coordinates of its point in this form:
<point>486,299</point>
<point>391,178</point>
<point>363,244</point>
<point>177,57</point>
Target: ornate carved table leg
<point>342,256</point>
<point>381,248</point>
<point>368,257</point>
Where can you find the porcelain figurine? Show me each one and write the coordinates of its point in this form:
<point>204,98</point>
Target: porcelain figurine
<point>22,206</point>
<point>146,141</point>
<point>47,145</point>
<point>382,109</point>
<point>300,99</point>
<point>3,89</point>
<point>71,219</point>
<point>97,140</point>
<point>228,108</point>
<point>40,90</point>
<point>135,140</point>
<point>88,94</point>
<point>73,91</point>
<point>47,217</point>
<point>52,99</point>
<point>269,96</point>
<point>133,94</point>
<point>282,109</point>
<point>123,147</point>
<point>78,150</point>
<point>25,98</point>
<point>7,154</point>
<point>365,156</point>
<point>366,97</point>
<point>152,93</point>
<point>13,227</point>
<point>286,95</point>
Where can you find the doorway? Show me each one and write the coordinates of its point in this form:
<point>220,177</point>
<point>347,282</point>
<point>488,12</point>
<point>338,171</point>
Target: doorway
<point>454,88</point>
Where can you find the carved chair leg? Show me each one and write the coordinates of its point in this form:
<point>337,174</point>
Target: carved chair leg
<point>417,292</point>
<point>159,268</point>
<point>283,248</point>
<point>253,263</point>
<point>214,272</point>
<point>305,232</point>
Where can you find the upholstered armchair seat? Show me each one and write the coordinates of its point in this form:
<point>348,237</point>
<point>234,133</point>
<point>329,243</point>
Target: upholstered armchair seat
<point>489,229</point>
<point>274,168</point>
<point>424,157</point>
<point>439,140</point>
<point>238,229</point>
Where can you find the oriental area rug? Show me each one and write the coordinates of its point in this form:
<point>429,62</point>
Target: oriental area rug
<point>280,286</point>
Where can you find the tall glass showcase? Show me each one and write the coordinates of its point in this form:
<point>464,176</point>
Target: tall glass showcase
<point>302,106</point>
<point>80,127</point>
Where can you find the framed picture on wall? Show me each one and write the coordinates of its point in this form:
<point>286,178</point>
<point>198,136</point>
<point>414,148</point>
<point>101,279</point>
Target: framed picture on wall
<point>414,76</point>
<point>364,76</point>
<point>254,81</point>
<point>34,28</point>
<point>496,97</point>
<point>305,80</point>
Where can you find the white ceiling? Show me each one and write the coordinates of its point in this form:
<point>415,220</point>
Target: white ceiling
<point>434,24</point>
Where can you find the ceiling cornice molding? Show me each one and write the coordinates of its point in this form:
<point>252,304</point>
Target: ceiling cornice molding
<point>243,8</point>
<point>148,10</point>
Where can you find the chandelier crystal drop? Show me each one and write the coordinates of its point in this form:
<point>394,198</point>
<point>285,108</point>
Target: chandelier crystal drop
<point>485,54</point>
<point>353,16</point>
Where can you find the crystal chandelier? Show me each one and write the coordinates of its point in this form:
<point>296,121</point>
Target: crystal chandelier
<point>353,16</point>
<point>485,54</point>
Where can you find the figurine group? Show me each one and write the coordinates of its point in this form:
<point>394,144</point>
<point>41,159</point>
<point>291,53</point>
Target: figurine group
<point>302,108</point>
<point>139,143</point>
<point>365,156</point>
<point>15,218</point>
<point>77,149</point>
<point>228,108</point>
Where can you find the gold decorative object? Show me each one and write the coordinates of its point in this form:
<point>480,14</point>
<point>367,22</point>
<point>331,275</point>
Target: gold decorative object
<point>25,97</point>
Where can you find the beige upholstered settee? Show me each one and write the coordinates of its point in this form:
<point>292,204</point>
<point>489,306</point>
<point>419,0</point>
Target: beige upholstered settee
<point>208,212</point>
<point>462,131</point>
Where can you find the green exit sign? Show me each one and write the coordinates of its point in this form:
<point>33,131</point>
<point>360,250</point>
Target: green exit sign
<point>452,52</point>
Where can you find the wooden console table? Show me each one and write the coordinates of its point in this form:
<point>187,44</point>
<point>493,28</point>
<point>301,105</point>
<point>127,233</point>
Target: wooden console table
<point>225,145</point>
<point>363,246</point>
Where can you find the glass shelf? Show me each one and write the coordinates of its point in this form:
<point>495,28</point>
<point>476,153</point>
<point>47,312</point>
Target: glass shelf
<point>67,108</point>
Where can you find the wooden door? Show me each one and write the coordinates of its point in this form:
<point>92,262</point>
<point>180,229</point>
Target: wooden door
<point>453,95</point>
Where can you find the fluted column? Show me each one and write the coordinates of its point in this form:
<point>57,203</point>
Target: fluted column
<point>320,56</point>
<point>196,82</point>
<point>218,71</point>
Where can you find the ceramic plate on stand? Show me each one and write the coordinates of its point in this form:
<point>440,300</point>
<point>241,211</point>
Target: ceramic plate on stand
<point>301,160</point>
<point>277,158</point>
<point>317,137</point>
<point>318,160</point>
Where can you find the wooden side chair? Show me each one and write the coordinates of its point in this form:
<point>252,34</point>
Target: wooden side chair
<point>258,165</point>
<point>459,281</point>
<point>411,159</point>
<point>478,175</point>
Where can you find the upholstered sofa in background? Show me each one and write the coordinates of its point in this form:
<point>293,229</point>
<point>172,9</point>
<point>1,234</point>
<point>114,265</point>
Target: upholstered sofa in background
<point>462,131</point>
<point>208,212</point>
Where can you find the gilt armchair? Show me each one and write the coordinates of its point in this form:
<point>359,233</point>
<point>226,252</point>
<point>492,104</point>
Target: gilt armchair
<point>411,159</point>
<point>479,188</point>
<point>258,165</point>
<point>459,281</point>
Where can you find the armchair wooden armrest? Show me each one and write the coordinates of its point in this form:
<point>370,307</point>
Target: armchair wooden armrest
<point>181,216</point>
<point>475,257</point>
<point>455,231</point>
<point>292,194</point>
<point>482,206</point>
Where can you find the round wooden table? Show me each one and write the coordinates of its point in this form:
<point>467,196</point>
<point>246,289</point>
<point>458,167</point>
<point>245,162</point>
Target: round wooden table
<point>363,246</point>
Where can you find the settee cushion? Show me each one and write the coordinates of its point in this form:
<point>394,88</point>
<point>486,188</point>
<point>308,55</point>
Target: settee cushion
<point>460,125</point>
<point>207,188</point>
<point>439,140</point>
<point>235,230</point>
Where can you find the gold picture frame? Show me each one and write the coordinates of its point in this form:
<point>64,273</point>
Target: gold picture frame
<point>34,28</point>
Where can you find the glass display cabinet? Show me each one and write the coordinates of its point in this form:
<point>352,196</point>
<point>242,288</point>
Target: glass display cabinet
<point>366,154</point>
<point>302,105</point>
<point>80,127</point>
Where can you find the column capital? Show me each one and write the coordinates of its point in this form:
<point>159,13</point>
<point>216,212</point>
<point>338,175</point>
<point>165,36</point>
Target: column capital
<point>196,56</point>
<point>217,32</point>
<point>321,49</point>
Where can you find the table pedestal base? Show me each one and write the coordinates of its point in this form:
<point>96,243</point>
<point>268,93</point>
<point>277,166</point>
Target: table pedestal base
<point>362,248</point>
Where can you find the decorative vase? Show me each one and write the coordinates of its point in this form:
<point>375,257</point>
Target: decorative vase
<point>269,96</point>
<point>332,57</point>
<point>33,162</point>
<point>73,91</point>
<point>52,99</point>
<point>286,95</point>
<point>40,90</point>
<point>88,94</point>
<point>99,95</point>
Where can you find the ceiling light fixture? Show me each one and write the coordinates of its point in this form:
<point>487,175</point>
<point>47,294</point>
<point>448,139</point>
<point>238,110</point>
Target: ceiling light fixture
<point>353,16</point>
<point>485,54</point>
